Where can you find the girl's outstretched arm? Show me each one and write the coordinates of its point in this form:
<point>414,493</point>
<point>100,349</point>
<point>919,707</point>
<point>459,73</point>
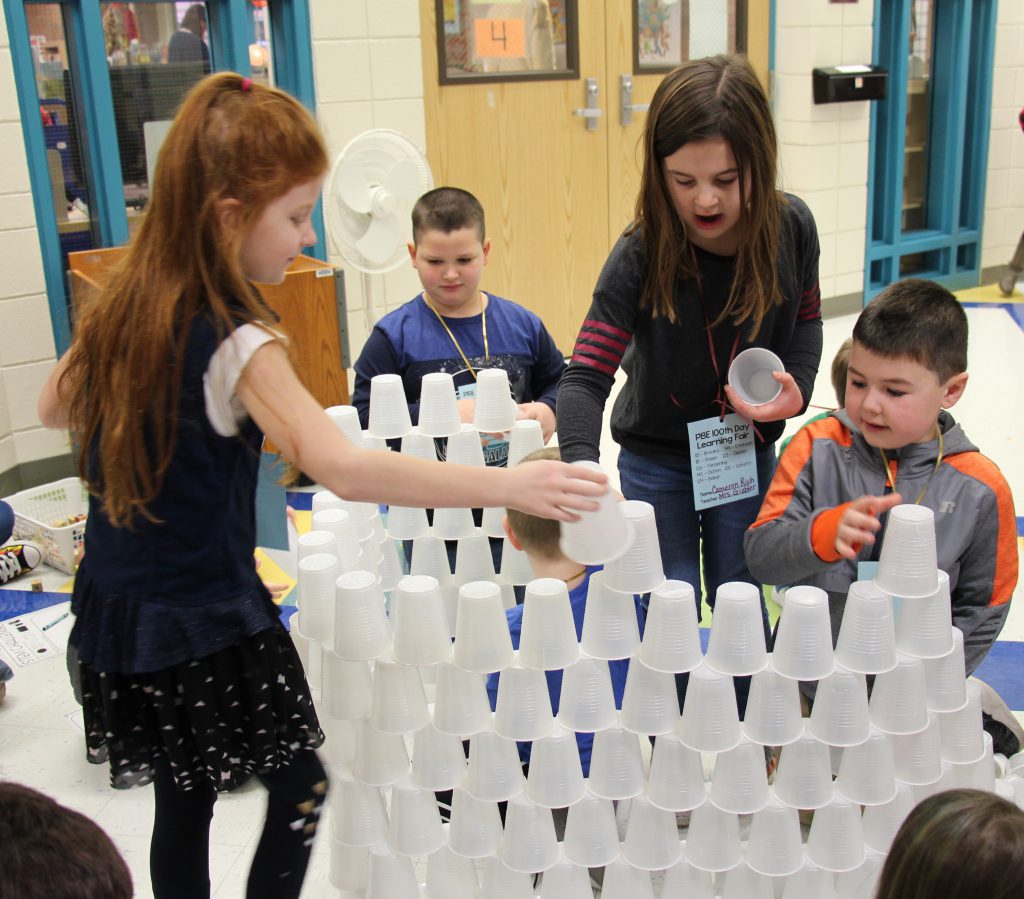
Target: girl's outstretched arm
<point>289,415</point>
<point>51,409</point>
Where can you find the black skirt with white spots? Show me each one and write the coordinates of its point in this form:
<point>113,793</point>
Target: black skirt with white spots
<point>217,720</point>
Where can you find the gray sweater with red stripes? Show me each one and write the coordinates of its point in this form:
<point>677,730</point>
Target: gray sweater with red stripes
<point>671,379</point>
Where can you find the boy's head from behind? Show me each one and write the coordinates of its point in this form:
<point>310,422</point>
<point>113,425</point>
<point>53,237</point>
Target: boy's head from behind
<point>537,536</point>
<point>908,361</point>
<point>449,250</point>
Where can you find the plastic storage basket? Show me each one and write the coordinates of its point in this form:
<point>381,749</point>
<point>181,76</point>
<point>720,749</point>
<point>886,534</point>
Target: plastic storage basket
<point>42,514</point>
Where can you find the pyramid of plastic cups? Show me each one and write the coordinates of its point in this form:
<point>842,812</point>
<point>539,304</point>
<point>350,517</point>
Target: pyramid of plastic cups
<point>473,559</point>
<point>391,875</point>
<point>438,760</point>
<point>464,447</point>
<point>639,568</point>
<point>710,720</point>
<point>347,686</point>
<point>461,706</point>
<point>361,628</point>
<point>526,437</point>
<point>475,829</point>
<point>671,640</point>
<point>713,839</point>
<point>917,756</point>
<point>324,499</point>
<point>420,624</point>
<point>346,420</point>
<point>907,565</point>
<point>867,635</point>
<point>773,708</point>
<point>650,704</point>
<point>515,565</point>
<point>415,823</point>
<point>743,882</point>
<point>313,542</point>
<point>407,523</point>
<point>863,880</point>
<point>803,642</point>
<point>453,524</point>
<point>810,882</point>
<point>317,574</point>
<point>564,880</point>
<point>523,710</point>
<point>652,838</point>
<point>358,814</point>
<point>591,838</point>
<point>600,536</point>
<point>736,644</point>
<point>867,773</point>
<point>349,867</point>
<point>548,639</point>
<point>840,713</point>
<point>774,847</point>
<point>683,879</point>
<point>881,822</point>
<point>610,626</point>
<point>960,732</point>
<point>804,776</point>
<point>482,640</point>
<point>898,702</point>
<point>389,566</point>
<point>556,775</point>
<point>439,410</point>
<point>739,783</point>
<point>346,536</point>
<point>923,624</point>
<point>494,408</point>
<point>451,875</point>
<point>836,840</point>
<point>381,758</point>
<point>587,702</point>
<point>625,881</point>
<point>979,774</point>
<point>944,677</point>
<point>389,409</point>
<point>676,778</point>
<point>498,879</point>
<point>495,772</point>
<point>616,767</point>
<point>529,843</point>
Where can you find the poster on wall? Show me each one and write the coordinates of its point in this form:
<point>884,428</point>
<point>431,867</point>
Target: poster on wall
<point>660,34</point>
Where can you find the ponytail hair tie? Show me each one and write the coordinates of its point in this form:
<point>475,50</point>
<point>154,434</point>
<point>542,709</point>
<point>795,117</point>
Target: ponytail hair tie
<point>246,84</point>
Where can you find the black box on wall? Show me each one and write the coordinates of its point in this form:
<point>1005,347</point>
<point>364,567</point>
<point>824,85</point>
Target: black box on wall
<point>842,84</point>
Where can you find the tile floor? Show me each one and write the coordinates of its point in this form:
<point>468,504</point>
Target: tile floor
<point>40,728</point>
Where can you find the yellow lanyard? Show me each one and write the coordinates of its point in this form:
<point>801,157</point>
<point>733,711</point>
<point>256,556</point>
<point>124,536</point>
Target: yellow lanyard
<point>444,324</point>
<point>888,472</point>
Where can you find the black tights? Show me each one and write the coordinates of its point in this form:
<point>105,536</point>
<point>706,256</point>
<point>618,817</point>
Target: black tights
<point>179,859</point>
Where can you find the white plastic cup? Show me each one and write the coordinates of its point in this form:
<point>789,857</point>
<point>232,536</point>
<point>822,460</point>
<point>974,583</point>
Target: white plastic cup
<point>530,844</point>
<point>923,626</point>
<point>493,522</point>
<point>616,767</point>
<point>907,565</point>
<point>324,499</point>
<point>556,775</point>
<point>676,778</point>
<point>710,720</point>
<point>475,829</point>
<point>381,758</point>
<point>587,702</point>
<point>881,822</point>
<point>750,375</point>
<point>498,879</point>
<point>451,876</point>
<point>671,640</point>
<point>743,882</point>
<point>421,631</point>
<point>495,772</point>
<point>526,436</point>
<point>804,776</point>
<point>341,523</point>
<point>774,846</point>
<point>391,875</point>
<point>683,879</point>
<point>494,408</point>
<point>389,409</point>
<point>523,710</point>
<point>811,882</point>
<point>453,524</point>
<point>316,576</point>
<point>840,714</point>
<point>961,732</point>
<point>347,687</point>
<point>461,706</point>
<point>598,537</point>
<point>314,542</point>
<point>439,409</point>
<point>772,717</point>
<point>473,559</point>
<point>591,838</point>
<point>464,447</point>
<point>548,640</point>
<point>415,823</point>
<point>737,645</point>
<point>610,626</point>
<point>340,739</point>
<point>836,839</point>
<point>867,635</point>
<point>945,781</point>
<point>389,566</point>
<point>359,816</point>
<point>430,557</point>
<point>652,838</point>
<point>803,642</point>
<point>482,640</point>
<point>979,774</point>
<point>515,565</point>
<point>438,760</point>
<point>650,704</point>
<point>740,783</point>
<point>898,702</point>
<point>346,420</point>
<point>713,839</point>
<point>361,628</point>
<point>639,568</point>
<point>308,650</point>
<point>566,881</point>
<point>372,442</point>
<point>918,756</point>
<point>350,867</point>
<point>945,677</point>
<point>624,881</point>
<point>407,523</point>
<point>419,445</point>
<point>863,880</point>
<point>867,773</point>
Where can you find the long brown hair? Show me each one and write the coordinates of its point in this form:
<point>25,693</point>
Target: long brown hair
<point>705,99</point>
<point>231,139</point>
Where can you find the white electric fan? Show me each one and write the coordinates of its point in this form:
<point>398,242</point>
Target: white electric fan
<point>369,197</point>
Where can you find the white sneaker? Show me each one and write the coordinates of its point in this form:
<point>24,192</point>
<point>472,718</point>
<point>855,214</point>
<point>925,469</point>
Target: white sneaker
<point>17,559</point>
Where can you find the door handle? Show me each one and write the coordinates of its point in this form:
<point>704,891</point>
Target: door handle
<point>591,112</point>
<point>628,107</point>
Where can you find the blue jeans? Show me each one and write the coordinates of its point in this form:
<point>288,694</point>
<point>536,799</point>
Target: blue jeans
<point>688,536</point>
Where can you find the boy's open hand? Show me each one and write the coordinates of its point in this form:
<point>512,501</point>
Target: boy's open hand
<point>788,403</point>
<point>539,412</point>
<point>555,490</point>
<point>859,523</point>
